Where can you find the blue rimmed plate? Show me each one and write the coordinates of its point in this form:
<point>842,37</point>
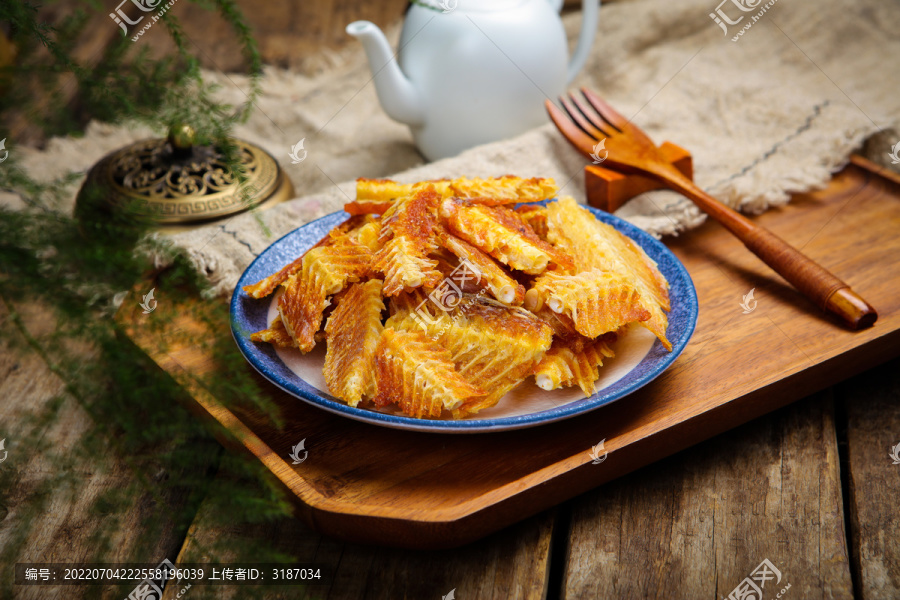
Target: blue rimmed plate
<point>640,357</point>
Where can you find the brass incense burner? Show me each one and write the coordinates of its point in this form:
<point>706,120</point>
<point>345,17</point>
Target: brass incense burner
<point>173,182</point>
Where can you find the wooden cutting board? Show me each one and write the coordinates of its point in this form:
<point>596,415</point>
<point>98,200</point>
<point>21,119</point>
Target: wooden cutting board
<point>370,484</point>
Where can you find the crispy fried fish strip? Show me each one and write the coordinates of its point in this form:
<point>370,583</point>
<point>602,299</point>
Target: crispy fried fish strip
<point>535,216</point>
<point>561,324</point>
<point>484,270</point>
<point>595,244</point>
<point>369,235</point>
<point>501,233</point>
<point>597,301</point>
<point>376,196</point>
<point>567,364</point>
<point>509,188</point>
<point>353,331</point>
<point>325,270</point>
<point>276,335</point>
<point>413,311</point>
<point>263,288</point>
<point>493,346</point>
<point>408,227</point>
<point>381,189</point>
<point>417,374</point>
<point>404,266</point>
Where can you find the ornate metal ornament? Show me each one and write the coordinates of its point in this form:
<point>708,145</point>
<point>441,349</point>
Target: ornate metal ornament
<point>172,181</point>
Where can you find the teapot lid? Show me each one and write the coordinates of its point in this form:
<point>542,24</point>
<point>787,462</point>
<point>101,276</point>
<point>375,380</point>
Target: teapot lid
<point>448,6</point>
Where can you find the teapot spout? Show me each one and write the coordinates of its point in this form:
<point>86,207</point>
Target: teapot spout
<point>397,94</point>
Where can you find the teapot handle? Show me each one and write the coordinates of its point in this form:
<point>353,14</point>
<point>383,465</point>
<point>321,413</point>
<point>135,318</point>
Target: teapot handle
<point>589,14</point>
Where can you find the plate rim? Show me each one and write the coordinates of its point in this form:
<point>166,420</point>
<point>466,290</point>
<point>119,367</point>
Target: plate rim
<point>251,353</point>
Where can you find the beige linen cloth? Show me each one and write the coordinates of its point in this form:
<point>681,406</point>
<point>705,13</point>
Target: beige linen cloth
<point>778,111</point>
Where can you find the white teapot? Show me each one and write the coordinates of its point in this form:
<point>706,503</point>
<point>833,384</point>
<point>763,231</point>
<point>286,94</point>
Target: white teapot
<point>474,71</point>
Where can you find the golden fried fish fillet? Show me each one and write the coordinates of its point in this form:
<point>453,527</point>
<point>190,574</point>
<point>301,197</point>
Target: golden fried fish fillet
<point>369,235</point>
<point>508,189</point>
<point>493,346</point>
<point>381,189</point>
<point>597,245</point>
<point>266,286</point>
<point>501,233</point>
<point>597,301</point>
<point>405,266</point>
<point>535,216</point>
<point>567,364</point>
<point>376,196</point>
<point>462,274</point>
<point>408,228</point>
<point>353,331</point>
<point>418,375</point>
<point>413,310</point>
<point>485,271</point>
<point>560,323</point>
<point>324,272</point>
<point>496,347</point>
<point>276,335</point>
<point>407,301</point>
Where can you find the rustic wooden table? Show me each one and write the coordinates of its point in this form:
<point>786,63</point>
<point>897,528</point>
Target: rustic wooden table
<point>810,487</point>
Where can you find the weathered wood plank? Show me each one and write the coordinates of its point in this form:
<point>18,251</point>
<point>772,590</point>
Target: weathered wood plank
<point>871,403</point>
<point>512,563</point>
<point>58,501</point>
<point>696,524</point>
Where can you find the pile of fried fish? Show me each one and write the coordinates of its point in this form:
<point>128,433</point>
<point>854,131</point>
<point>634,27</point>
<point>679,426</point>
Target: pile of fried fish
<point>482,289</point>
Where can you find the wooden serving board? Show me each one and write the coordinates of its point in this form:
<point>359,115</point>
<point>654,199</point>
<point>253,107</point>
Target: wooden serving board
<point>376,485</point>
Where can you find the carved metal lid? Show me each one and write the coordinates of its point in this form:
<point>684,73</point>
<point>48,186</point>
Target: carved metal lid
<point>172,181</point>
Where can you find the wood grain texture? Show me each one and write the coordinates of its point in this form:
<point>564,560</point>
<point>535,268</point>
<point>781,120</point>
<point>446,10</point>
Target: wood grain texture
<point>286,32</point>
<point>509,564</point>
<point>872,407</point>
<point>53,508</point>
<point>696,524</point>
<point>298,35</point>
<point>375,485</point>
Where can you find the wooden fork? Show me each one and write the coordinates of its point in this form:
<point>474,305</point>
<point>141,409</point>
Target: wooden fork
<point>630,150</point>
